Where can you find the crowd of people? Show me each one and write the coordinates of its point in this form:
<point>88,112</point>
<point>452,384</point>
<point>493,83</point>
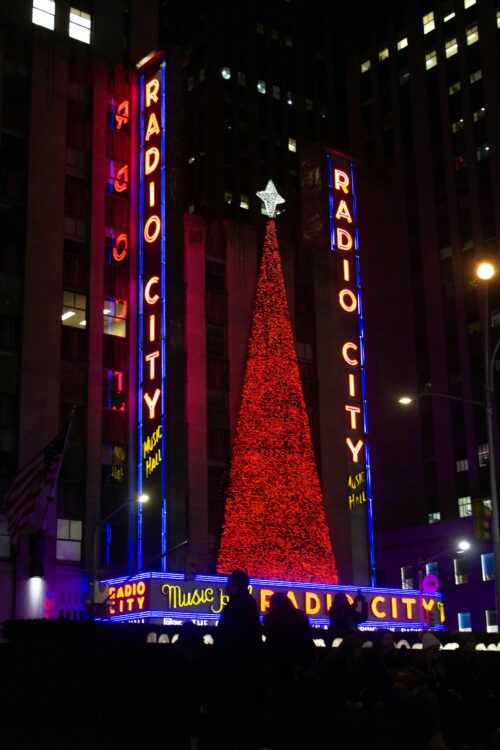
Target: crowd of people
<point>250,693</point>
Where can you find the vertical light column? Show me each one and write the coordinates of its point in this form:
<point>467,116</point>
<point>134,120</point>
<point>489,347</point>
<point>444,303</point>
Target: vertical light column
<point>344,242</point>
<point>152,366</point>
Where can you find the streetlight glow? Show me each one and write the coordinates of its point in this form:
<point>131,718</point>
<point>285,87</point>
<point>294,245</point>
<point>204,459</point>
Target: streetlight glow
<point>485,271</point>
<point>405,400</point>
<point>464,545</point>
<point>143,499</point>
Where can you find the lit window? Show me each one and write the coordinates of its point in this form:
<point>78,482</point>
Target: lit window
<point>476,76</point>
<point>115,317</point>
<point>432,569</point>
<point>407,577</point>
<point>449,17</point>
<point>383,54</point>
<point>292,145</point>
<point>4,538</point>
<point>191,160</point>
<point>365,66</point>
<point>244,201</point>
<point>191,207</point>
<point>289,98</point>
<point>430,59</point>
<point>472,33</point>
<point>74,310</point>
<point>79,25</point>
<point>242,79</point>
<point>475,326</point>
<point>451,47</point>
<point>465,506</point>
<point>464,621</point>
<point>114,390</point>
<point>402,43</point>
<point>469,3</point>
<point>276,92</point>
<point>457,126</point>
<point>404,75</point>
<point>44,13</point>
<point>491,621</point>
<point>462,465</point>
<point>454,88</point>
<point>479,114</point>
<point>488,566</point>
<point>434,517</point>
<point>228,197</point>
<point>498,27</point>
<point>428,23</point>
<point>226,73</point>
<point>482,152</point>
<point>460,569</point>
<point>261,87</point>
<point>69,540</point>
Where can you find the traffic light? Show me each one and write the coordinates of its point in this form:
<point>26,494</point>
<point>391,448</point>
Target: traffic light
<point>482,520</point>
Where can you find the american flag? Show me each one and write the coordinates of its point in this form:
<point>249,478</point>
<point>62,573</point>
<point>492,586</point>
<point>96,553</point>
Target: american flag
<point>33,485</point>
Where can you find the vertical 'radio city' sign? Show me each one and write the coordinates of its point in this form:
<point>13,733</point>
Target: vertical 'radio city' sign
<point>152,309</point>
<point>345,244</point>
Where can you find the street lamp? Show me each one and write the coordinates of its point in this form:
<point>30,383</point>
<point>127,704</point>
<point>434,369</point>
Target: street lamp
<point>93,575</point>
<point>485,271</point>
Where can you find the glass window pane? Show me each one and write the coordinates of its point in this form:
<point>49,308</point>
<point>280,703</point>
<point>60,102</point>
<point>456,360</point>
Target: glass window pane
<point>62,528</point>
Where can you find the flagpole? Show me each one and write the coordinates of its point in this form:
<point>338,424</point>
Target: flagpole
<point>61,459</point>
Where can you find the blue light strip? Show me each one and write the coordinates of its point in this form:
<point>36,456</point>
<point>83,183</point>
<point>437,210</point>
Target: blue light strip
<point>163,251</point>
<point>361,332</point>
<point>140,365</point>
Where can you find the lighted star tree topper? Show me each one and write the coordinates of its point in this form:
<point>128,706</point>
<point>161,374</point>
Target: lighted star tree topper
<point>275,525</point>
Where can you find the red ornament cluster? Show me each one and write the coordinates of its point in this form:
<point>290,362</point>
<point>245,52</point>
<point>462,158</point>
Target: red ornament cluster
<point>275,524</point>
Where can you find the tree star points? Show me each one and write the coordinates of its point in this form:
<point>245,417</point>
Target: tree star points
<point>271,198</point>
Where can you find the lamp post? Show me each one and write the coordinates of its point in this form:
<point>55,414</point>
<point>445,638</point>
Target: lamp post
<point>484,272</point>
<point>94,572</point>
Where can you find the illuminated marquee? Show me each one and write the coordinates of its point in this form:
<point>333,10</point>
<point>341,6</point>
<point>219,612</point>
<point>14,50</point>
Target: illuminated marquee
<point>152,311</point>
<point>157,596</point>
<point>344,243</point>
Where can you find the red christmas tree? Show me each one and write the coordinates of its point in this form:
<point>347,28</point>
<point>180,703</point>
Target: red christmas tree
<point>275,525</point>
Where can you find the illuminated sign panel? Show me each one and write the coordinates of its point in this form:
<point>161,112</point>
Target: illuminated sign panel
<point>344,243</point>
<point>168,595</point>
<point>152,312</point>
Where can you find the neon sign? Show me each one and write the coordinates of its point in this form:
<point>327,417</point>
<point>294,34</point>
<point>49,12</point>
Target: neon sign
<point>159,595</point>
<point>344,243</point>
<point>152,532</point>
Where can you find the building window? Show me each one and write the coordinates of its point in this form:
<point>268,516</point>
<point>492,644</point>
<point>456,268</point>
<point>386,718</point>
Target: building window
<point>483,453</point>
<point>383,54</point>
<point>479,114</point>
<point>482,152</point>
<point>115,317</point>
<point>365,66</point>
<point>434,517</point>
<point>462,465</point>
<point>259,28</point>
<point>430,59</point>
<point>228,197</point>
<point>488,566</point>
<point>289,98</point>
<point>464,621</point>
<point>465,506</point>
<point>445,252</point>
<point>469,3</point>
<point>292,145</point>
<point>69,540</point>
<point>407,577</point>
<point>431,569</point>
<point>226,73</point>
<point>428,23</point>
<point>4,538</point>
<point>472,33</point>
<point>276,92</point>
<point>201,75</point>
<point>261,87</point>
<point>74,310</point>
<point>476,76</point>
<point>44,13</point>
<point>454,88</point>
<point>79,25</point>
<point>457,126</point>
<point>309,105</point>
<point>451,47</point>
<point>113,390</point>
<point>242,79</point>
<point>244,201</point>
<point>498,27</point>
<point>460,569</point>
<point>288,40</point>
<point>491,621</point>
<point>402,43</point>
<point>448,17</point>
